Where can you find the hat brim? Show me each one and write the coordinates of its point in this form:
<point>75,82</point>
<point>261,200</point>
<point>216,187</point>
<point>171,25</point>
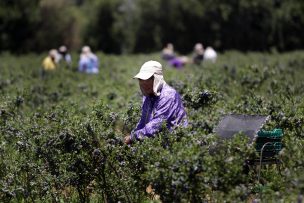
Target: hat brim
<point>143,75</point>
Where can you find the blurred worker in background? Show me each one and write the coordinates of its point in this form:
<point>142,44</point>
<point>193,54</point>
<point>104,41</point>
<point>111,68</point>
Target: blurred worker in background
<point>172,59</point>
<point>88,62</point>
<point>179,62</point>
<point>210,55</point>
<point>168,52</point>
<point>64,56</point>
<point>49,62</point>
<point>198,53</point>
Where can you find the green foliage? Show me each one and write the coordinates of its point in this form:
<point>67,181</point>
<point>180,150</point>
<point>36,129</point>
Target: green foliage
<point>128,26</point>
<point>18,20</point>
<point>61,22</point>
<point>61,137</point>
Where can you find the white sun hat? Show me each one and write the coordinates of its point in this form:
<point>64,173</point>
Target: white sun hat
<point>86,50</point>
<point>63,48</point>
<point>148,69</point>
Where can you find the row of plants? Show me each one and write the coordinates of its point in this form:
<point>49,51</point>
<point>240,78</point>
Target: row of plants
<point>61,136</point>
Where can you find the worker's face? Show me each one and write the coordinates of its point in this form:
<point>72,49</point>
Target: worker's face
<point>146,86</point>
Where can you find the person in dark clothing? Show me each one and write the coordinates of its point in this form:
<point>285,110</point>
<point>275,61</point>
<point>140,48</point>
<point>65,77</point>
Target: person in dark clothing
<point>198,55</point>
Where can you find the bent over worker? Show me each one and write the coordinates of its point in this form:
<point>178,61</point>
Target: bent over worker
<point>161,103</point>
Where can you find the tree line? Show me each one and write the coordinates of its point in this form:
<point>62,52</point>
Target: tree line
<point>132,26</point>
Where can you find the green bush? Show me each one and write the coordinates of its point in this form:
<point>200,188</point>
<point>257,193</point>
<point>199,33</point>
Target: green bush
<point>61,137</point>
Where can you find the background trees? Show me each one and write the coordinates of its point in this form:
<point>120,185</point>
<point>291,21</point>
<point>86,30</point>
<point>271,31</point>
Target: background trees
<point>127,26</point>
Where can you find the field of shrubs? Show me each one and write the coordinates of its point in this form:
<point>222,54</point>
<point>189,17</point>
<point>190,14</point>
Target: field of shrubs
<point>61,136</point>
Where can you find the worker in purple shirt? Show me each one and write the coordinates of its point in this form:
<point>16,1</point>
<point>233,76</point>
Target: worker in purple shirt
<point>161,103</point>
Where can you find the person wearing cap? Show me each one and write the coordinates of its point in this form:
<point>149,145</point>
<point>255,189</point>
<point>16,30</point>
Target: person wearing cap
<point>64,55</point>
<point>161,103</point>
<point>49,62</point>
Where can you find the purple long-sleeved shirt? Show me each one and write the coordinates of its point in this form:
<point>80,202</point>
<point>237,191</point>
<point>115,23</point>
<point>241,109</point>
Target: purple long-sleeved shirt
<point>167,108</point>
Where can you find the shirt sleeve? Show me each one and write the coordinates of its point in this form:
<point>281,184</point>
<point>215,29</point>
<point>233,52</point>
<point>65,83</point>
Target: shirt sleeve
<point>162,112</point>
<point>140,123</point>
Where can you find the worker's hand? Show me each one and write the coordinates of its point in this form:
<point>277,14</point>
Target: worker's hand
<point>128,139</point>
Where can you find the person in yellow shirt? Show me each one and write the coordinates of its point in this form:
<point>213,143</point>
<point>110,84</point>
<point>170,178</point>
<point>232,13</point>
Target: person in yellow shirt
<point>49,62</point>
